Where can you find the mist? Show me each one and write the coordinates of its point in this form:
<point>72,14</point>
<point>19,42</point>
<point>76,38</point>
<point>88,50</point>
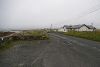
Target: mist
<point>32,14</point>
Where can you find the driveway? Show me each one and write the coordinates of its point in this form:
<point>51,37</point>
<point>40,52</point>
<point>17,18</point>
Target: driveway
<point>58,51</point>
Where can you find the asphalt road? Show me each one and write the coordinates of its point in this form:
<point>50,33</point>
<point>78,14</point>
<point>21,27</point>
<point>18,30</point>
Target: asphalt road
<point>58,51</point>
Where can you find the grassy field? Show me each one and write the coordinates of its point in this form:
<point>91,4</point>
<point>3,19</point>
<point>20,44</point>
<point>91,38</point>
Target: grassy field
<point>87,35</point>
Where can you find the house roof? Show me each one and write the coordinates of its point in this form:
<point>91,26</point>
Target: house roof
<point>78,26</point>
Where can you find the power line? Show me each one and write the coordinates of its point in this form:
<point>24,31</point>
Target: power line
<point>91,10</point>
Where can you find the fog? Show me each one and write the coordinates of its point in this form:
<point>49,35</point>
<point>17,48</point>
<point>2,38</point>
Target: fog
<point>30,14</point>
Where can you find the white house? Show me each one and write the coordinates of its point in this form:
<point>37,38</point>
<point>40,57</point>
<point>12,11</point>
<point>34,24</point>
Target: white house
<point>82,27</point>
<point>62,29</point>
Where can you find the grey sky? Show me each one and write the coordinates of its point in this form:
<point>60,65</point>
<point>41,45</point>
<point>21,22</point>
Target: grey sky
<point>18,14</point>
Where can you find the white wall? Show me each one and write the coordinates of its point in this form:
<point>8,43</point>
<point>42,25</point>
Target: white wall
<point>84,28</point>
<point>62,30</point>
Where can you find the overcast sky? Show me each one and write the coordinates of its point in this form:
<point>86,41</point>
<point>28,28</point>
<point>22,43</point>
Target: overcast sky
<point>25,14</point>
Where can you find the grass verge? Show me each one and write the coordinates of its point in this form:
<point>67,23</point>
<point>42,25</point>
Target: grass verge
<point>5,45</point>
<point>87,35</point>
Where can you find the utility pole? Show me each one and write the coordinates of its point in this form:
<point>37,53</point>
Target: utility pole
<point>93,26</point>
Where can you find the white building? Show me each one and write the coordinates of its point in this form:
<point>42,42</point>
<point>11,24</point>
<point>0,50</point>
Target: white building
<point>82,27</point>
<point>62,29</point>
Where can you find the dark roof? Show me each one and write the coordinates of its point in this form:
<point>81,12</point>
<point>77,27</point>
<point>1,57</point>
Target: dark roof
<point>66,26</point>
<point>78,26</point>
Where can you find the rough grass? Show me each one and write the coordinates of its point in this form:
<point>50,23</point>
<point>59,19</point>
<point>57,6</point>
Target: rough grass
<point>32,35</point>
<point>5,33</point>
<point>87,35</point>
<point>26,35</point>
<point>5,45</point>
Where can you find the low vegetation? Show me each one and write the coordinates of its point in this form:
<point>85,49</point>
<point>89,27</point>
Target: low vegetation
<point>5,45</point>
<point>87,35</point>
<point>5,33</point>
<point>32,35</point>
<point>24,35</point>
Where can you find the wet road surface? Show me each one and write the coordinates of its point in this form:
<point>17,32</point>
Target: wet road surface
<point>58,51</point>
